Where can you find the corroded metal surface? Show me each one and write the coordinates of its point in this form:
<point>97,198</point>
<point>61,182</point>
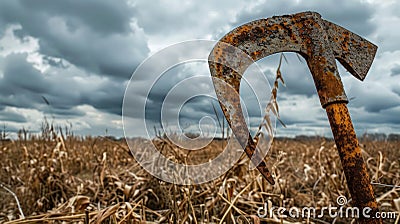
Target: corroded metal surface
<point>317,40</point>
<point>353,164</point>
<point>320,43</point>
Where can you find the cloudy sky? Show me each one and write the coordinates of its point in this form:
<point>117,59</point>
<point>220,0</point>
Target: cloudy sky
<point>80,55</point>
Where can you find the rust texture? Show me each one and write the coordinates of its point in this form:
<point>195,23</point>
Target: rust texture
<point>353,164</point>
<point>320,42</point>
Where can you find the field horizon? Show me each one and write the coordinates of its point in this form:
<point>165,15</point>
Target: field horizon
<point>64,178</point>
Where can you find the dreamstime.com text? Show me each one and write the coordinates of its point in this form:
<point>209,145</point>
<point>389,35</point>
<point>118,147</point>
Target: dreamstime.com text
<point>332,211</point>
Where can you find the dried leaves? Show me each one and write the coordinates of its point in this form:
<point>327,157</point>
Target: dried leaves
<point>272,105</point>
<point>95,180</point>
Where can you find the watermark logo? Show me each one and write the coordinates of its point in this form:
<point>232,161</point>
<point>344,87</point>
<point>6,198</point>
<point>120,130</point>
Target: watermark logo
<point>341,200</point>
<point>173,88</point>
<point>340,211</point>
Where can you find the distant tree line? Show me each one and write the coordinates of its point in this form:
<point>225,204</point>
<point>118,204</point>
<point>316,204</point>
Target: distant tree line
<point>380,137</point>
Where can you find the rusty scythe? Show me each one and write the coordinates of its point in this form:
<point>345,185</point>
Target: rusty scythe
<point>320,42</point>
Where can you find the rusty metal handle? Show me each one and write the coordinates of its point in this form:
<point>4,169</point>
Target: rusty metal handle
<point>320,42</point>
<point>355,170</point>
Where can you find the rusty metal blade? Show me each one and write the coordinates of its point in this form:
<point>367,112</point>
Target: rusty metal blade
<point>355,53</point>
<point>244,45</point>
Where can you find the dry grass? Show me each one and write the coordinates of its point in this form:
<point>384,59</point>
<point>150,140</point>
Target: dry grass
<point>82,180</point>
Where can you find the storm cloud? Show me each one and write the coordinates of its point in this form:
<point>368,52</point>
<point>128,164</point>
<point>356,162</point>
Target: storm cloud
<point>98,36</point>
<point>72,60</point>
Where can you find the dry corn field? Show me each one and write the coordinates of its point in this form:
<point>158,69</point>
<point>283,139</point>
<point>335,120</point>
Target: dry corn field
<point>59,179</point>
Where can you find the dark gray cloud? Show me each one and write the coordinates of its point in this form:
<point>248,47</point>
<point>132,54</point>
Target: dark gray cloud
<point>396,89</point>
<point>95,35</point>
<point>12,116</point>
<point>58,63</point>
<point>19,75</point>
<point>373,97</point>
<point>62,113</point>
<point>354,15</point>
<point>395,70</point>
<point>295,72</point>
<point>386,118</point>
<point>190,19</point>
<point>100,16</point>
<point>197,108</point>
<point>107,97</point>
<point>24,86</point>
<point>21,84</point>
<point>90,48</point>
<point>184,83</point>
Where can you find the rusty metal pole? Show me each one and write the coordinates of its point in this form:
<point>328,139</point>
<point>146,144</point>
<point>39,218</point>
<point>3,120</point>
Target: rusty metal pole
<point>333,99</point>
<point>320,43</point>
<point>355,170</point>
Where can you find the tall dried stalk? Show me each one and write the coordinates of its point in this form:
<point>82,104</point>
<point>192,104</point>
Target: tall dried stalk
<point>272,104</point>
